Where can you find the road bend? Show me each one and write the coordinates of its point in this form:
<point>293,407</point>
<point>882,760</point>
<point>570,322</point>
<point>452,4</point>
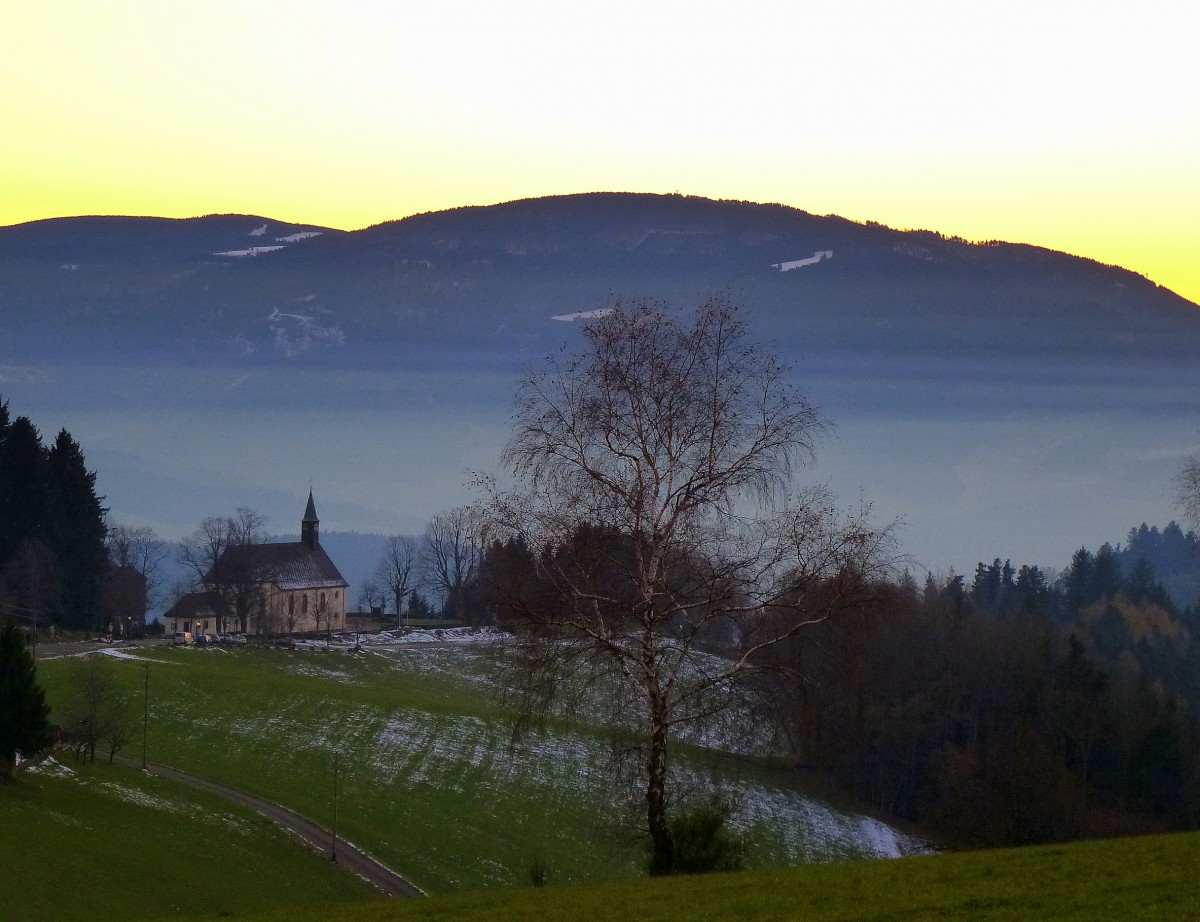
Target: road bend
<point>349,857</point>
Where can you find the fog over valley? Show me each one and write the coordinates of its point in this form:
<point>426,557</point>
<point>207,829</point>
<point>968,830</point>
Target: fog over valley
<point>1000,400</point>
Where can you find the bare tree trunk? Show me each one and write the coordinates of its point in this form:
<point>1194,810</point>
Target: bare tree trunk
<point>662,847</point>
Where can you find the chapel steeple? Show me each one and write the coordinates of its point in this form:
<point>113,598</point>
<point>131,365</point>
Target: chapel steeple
<point>310,525</point>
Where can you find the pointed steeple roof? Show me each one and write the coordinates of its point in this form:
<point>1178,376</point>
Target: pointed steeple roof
<point>310,525</point>
<point>310,513</point>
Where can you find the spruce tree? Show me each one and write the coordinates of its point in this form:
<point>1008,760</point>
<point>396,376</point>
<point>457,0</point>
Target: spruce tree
<point>22,487</point>
<point>75,530</point>
<point>24,714</point>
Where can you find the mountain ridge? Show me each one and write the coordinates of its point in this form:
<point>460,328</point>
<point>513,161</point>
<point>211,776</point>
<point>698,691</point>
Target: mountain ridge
<point>492,276</point>
<point>1004,400</point>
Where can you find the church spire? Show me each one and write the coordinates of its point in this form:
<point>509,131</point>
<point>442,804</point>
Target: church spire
<point>310,525</point>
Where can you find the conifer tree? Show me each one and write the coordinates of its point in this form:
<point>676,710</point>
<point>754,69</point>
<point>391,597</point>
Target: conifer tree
<point>22,487</point>
<point>24,714</point>
<point>75,530</point>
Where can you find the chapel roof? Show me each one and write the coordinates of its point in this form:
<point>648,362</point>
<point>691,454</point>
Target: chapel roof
<point>289,565</point>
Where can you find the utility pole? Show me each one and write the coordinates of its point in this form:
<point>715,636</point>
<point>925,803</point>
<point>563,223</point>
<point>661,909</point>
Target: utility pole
<point>145,714</point>
<point>333,849</point>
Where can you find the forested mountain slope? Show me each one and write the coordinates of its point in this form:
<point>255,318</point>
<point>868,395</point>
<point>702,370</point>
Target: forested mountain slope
<point>490,278</point>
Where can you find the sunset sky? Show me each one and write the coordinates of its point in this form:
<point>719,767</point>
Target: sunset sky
<point>1073,125</point>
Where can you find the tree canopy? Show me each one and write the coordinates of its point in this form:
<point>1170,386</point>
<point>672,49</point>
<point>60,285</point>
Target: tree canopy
<point>24,714</point>
<point>52,528</point>
<point>653,469</point>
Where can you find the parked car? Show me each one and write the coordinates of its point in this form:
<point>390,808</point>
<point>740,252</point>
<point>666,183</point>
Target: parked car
<point>183,638</point>
<point>237,639</point>
<point>201,640</point>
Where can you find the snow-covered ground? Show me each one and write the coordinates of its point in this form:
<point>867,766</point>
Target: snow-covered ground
<point>50,766</point>
<point>460,636</point>
<point>466,755</point>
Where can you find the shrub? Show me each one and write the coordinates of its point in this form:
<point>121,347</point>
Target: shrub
<point>703,841</point>
<point>539,871</point>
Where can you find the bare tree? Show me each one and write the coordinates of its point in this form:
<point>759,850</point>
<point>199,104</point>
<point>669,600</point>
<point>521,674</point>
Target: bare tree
<point>96,710</point>
<point>1187,486</point>
<point>655,465</point>
<point>370,596</point>
<point>291,616</point>
<point>397,568</point>
<point>449,555</point>
<point>322,616</point>
<point>220,557</point>
<point>136,579</point>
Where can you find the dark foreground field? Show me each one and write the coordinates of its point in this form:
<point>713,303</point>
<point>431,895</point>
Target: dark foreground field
<point>1143,878</point>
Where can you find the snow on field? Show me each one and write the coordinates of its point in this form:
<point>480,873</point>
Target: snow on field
<point>814,831</point>
<point>422,753</point>
<point>458,635</point>
<point>115,654</point>
<point>51,766</point>
<point>118,654</point>
<point>141,798</point>
<point>399,639</point>
<point>259,231</point>
<point>320,671</point>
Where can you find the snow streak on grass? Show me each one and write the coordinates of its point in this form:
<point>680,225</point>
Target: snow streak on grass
<point>428,780</point>
<point>813,831</point>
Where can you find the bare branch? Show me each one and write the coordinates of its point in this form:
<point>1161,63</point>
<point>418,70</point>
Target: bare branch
<point>657,547</point>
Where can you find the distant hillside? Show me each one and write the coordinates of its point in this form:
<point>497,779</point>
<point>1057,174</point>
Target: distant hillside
<point>489,279</point>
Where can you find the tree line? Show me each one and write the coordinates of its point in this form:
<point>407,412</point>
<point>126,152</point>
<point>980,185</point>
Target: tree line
<point>649,547</point>
<point>62,563</point>
<point>431,575</point>
<point>52,528</point>
<point>1009,711</point>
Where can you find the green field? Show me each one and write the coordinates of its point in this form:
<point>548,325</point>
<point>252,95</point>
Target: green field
<point>1143,878</point>
<point>427,783</point>
<point>107,842</point>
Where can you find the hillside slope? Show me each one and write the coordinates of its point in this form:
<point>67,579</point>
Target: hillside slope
<point>490,278</point>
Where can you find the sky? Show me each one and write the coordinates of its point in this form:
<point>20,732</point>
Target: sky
<point>1072,125</point>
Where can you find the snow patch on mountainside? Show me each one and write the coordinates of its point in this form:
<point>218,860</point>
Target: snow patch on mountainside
<point>296,334</point>
<point>259,231</point>
<point>300,235</point>
<point>583,315</point>
<point>249,251</point>
<point>800,263</point>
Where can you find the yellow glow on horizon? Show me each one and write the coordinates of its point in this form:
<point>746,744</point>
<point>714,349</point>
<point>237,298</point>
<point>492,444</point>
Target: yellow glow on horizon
<point>1058,123</point>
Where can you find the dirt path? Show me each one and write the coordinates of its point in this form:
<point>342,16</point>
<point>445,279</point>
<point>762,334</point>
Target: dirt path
<point>349,857</point>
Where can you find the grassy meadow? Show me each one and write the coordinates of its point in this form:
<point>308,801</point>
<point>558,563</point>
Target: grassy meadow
<point>426,780</point>
<point>1143,878</point>
<point>108,842</point>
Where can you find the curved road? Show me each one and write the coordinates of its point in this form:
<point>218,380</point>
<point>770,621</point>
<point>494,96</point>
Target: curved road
<point>348,856</point>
